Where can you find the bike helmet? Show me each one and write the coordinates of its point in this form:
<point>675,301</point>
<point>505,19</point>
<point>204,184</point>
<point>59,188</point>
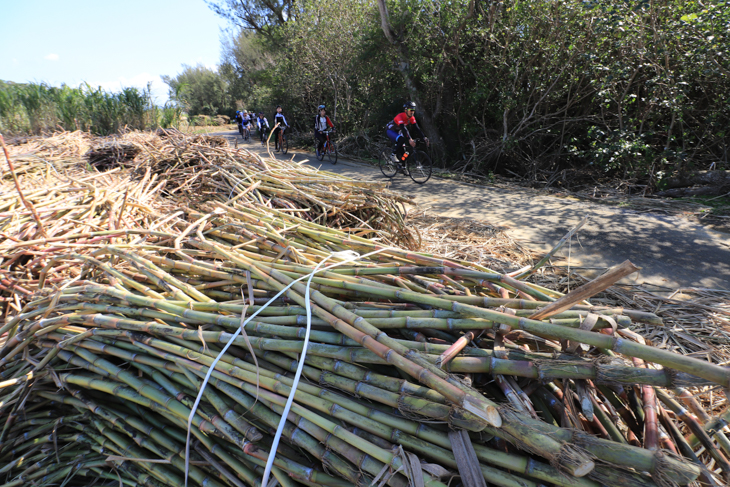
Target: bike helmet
<point>321,107</point>
<point>278,106</point>
<point>409,105</point>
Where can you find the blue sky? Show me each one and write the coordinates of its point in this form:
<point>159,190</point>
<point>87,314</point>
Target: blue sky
<point>106,43</point>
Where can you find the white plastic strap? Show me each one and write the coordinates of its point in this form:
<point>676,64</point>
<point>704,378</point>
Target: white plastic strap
<point>347,256</point>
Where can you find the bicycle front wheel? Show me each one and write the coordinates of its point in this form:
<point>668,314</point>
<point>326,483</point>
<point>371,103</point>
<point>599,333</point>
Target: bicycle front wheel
<point>387,165</point>
<point>419,167</point>
<point>284,145</point>
<point>332,152</point>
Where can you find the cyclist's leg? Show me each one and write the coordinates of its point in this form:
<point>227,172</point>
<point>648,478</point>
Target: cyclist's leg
<point>399,142</point>
<point>393,137</point>
<point>321,138</point>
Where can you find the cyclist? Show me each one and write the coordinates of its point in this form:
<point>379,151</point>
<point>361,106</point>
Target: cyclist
<point>281,120</point>
<point>263,126</point>
<point>245,120</point>
<point>239,121</point>
<point>398,131</point>
<point>321,123</point>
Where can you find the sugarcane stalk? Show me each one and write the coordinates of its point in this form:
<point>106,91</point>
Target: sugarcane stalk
<point>26,203</point>
<point>698,431</point>
<point>717,433</point>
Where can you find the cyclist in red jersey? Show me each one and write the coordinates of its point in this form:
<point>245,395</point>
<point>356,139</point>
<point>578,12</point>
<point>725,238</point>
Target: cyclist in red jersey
<point>399,130</point>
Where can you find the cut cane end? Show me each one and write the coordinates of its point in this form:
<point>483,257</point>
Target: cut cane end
<point>490,414</point>
<point>584,469</point>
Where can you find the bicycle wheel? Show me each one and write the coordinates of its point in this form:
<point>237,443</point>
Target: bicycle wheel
<point>284,145</point>
<point>387,165</point>
<point>332,152</point>
<point>320,153</point>
<point>419,167</point>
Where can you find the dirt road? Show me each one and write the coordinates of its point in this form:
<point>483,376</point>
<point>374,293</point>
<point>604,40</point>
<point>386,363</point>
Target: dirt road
<point>671,251</point>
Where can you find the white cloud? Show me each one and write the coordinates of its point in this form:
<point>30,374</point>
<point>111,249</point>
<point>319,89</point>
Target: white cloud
<point>52,57</point>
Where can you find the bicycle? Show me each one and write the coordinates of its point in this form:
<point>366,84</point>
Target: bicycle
<point>246,132</point>
<point>262,132</point>
<point>329,148</point>
<point>415,163</point>
<point>281,143</point>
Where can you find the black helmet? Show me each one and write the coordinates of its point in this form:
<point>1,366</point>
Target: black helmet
<point>321,107</point>
<point>278,106</point>
<point>409,105</point>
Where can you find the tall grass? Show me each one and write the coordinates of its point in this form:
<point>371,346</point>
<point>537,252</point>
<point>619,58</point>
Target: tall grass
<point>34,108</point>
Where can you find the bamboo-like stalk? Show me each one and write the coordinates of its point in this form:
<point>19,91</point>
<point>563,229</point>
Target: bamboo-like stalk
<point>704,418</point>
<point>697,430</point>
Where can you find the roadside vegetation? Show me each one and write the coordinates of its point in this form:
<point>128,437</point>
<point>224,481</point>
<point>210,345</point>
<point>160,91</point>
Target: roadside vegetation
<point>552,91</point>
<point>35,108</point>
<point>561,94</point>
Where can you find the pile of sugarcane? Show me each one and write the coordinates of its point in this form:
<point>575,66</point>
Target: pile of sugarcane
<point>199,169</point>
<point>56,199</point>
<point>77,213</point>
<point>154,347</point>
<point>418,369</point>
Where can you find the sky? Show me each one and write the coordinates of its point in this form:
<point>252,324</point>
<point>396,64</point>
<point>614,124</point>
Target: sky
<point>112,44</point>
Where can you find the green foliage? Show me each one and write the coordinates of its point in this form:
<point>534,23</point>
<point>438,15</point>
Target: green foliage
<point>201,91</point>
<point>530,86</point>
<point>39,107</point>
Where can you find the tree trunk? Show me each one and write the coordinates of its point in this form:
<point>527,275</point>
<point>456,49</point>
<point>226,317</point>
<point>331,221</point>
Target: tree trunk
<point>701,191</point>
<point>404,68</point>
<point>714,178</point>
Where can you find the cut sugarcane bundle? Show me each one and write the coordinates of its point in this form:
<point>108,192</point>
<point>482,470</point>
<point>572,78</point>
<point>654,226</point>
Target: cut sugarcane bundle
<point>118,334</point>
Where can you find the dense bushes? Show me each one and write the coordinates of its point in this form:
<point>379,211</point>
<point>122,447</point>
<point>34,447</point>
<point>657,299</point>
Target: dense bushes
<point>38,107</point>
<point>629,87</point>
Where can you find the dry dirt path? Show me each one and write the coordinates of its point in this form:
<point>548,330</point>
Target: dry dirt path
<point>671,251</point>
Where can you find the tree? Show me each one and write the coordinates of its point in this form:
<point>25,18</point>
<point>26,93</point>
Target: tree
<point>200,90</point>
<point>528,87</point>
<point>246,66</point>
<point>261,16</point>
<point>403,66</point>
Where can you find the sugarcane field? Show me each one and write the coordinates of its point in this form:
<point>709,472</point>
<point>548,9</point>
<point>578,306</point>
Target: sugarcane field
<point>180,311</point>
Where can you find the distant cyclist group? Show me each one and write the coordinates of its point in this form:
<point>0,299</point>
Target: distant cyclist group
<point>403,132</point>
<point>248,120</point>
